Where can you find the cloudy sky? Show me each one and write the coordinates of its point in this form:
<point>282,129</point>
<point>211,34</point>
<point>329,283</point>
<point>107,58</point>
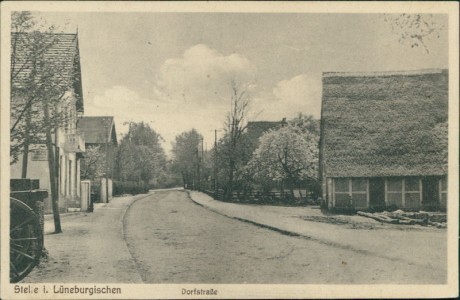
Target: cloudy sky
<point>173,70</point>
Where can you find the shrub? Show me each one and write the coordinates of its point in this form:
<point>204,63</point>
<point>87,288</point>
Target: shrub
<point>129,187</point>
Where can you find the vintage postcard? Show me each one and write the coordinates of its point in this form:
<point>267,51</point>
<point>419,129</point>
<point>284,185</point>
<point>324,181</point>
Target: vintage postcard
<point>229,150</point>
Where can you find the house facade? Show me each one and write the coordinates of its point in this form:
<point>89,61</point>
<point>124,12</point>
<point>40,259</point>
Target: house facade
<point>68,145</point>
<point>383,140</point>
<point>99,131</point>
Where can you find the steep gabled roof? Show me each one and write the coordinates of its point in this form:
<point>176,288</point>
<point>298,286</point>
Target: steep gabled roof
<point>98,130</point>
<point>384,124</point>
<point>60,51</point>
<point>255,129</point>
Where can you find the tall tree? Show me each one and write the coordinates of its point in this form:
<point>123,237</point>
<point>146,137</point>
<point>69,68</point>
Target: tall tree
<point>240,154</point>
<point>35,75</point>
<point>140,156</point>
<point>41,95</point>
<point>235,125</point>
<point>94,163</point>
<point>186,151</point>
<point>414,29</point>
<point>305,124</point>
<point>286,155</point>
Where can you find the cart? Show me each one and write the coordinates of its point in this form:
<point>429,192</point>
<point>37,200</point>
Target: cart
<point>26,240</point>
<point>26,227</point>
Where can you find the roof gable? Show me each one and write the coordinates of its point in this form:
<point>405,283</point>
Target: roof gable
<point>98,129</point>
<point>60,51</point>
<point>256,129</point>
<point>389,124</point>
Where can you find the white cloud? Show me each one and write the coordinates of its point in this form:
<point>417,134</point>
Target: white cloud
<point>168,119</point>
<point>122,103</point>
<point>192,91</point>
<point>202,76</point>
<point>301,93</point>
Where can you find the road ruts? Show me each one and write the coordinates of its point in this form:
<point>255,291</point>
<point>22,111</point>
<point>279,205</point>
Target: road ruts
<point>174,240</point>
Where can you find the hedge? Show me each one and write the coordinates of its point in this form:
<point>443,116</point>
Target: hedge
<point>129,187</point>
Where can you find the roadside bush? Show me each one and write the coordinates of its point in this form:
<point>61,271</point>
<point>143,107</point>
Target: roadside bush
<point>129,187</point>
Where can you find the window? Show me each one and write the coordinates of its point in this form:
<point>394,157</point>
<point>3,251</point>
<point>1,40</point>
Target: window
<point>351,191</point>
<point>412,195</point>
<point>394,194</point>
<point>443,192</point>
<point>359,192</point>
<point>342,192</point>
<point>403,192</point>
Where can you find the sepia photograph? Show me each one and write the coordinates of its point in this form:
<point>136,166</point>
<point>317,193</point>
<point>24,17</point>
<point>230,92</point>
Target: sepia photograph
<point>229,150</point>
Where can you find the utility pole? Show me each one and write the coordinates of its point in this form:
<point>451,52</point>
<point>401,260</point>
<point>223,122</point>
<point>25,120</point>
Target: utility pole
<point>202,158</point>
<point>215,161</point>
<point>107,160</point>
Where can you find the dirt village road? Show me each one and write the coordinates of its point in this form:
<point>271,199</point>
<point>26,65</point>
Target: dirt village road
<point>165,237</point>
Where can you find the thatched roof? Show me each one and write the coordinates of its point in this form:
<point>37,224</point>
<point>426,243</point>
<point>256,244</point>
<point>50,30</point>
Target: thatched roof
<point>384,124</point>
<point>60,51</point>
<point>98,129</point>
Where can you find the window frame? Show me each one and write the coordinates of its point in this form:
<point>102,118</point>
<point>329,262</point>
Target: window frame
<point>404,191</point>
<point>442,191</point>
<point>350,191</point>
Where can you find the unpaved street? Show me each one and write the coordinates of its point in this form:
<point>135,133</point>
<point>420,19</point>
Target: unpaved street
<point>174,240</point>
<point>91,248</point>
<point>165,237</point>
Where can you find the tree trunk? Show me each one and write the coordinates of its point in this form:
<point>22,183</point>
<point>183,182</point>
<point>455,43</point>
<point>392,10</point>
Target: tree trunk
<point>52,169</point>
<point>25,154</point>
<point>291,188</point>
<point>230,180</point>
<point>184,180</point>
<point>25,158</point>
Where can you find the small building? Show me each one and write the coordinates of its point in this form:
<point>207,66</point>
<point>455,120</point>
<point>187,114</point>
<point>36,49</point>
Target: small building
<point>255,129</point>
<point>383,139</point>
<point>99,131</point>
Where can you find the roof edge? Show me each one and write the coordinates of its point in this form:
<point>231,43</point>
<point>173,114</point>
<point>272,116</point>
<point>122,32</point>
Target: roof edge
<point>383,73</point>
<point>97,116</point>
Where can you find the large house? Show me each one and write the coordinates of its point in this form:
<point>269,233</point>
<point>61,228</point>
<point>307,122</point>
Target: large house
<point>384,139</point>
<point>62,72</point>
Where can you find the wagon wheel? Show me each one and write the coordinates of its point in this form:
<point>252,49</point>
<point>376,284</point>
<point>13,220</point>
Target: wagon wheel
<point>26,240</point>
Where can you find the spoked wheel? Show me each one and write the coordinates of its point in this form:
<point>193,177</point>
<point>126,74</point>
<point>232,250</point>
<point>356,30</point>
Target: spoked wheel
<point>26,240</point>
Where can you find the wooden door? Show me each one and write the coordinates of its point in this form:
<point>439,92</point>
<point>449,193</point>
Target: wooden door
<point>377,193</point>
<point>430,193</point>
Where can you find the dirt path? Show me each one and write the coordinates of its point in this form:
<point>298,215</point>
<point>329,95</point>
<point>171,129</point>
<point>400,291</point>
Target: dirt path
<point>174,240</point>
<point>91,248</point>
<point>415,245</point>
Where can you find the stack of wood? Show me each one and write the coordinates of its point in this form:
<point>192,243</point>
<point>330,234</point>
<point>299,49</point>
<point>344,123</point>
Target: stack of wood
<point>438,220</point>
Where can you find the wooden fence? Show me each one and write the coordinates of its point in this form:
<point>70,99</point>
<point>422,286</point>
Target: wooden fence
<point>259,197</point>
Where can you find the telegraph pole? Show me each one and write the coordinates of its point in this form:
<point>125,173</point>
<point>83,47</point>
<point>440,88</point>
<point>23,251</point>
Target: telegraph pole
<point>215,161</point>
<point>107,160</point>
<point>198,168</point>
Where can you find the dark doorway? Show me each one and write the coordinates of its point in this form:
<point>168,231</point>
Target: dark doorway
<point>377,193</point>
<point>430,193</point>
